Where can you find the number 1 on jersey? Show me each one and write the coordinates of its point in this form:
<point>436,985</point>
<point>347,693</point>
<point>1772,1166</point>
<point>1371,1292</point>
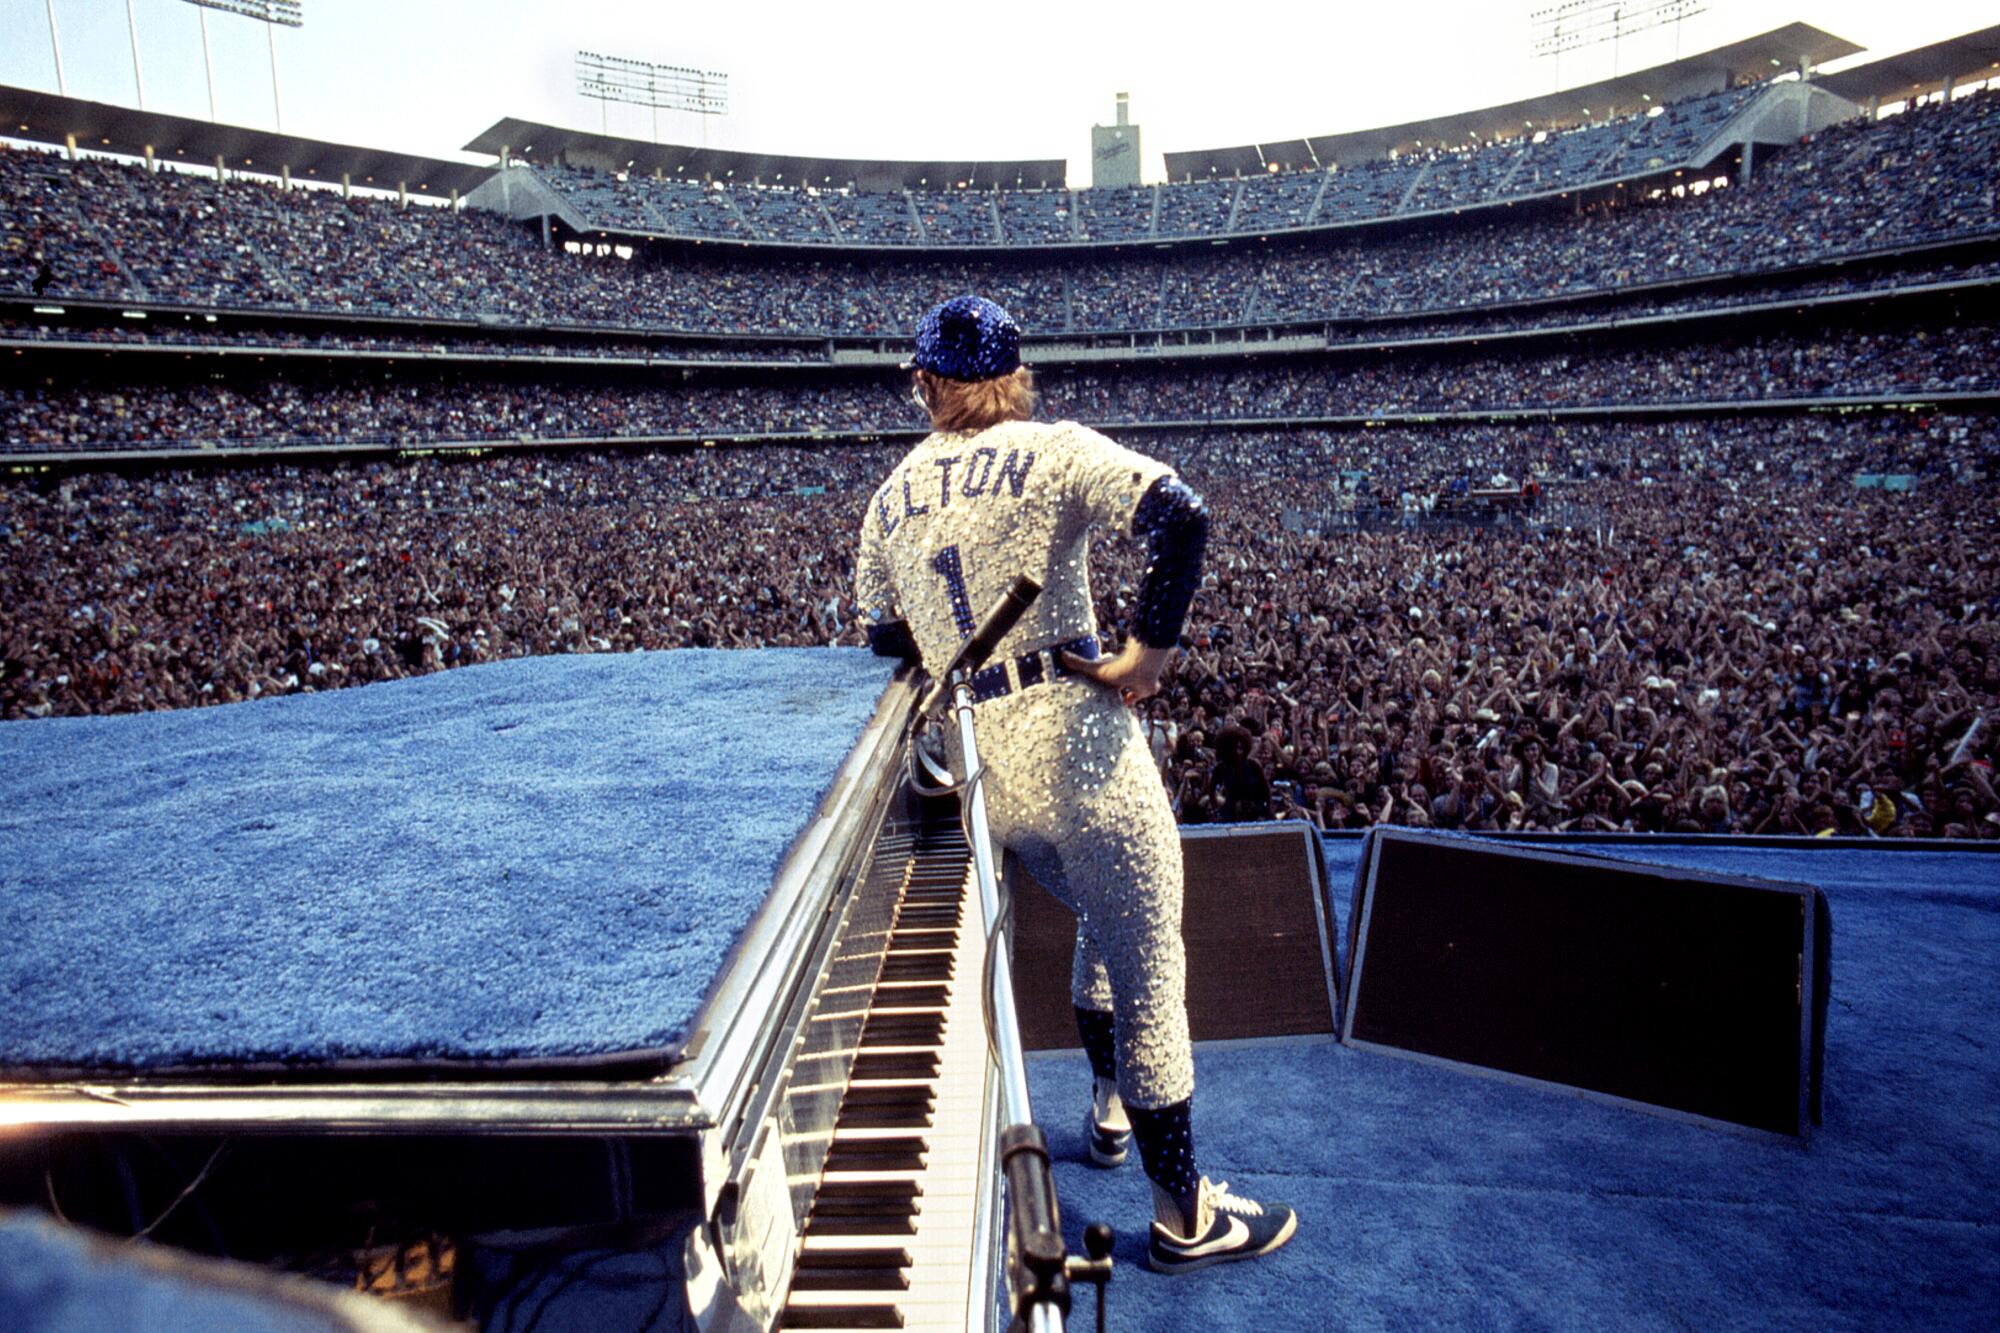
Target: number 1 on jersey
<point>946,563</point>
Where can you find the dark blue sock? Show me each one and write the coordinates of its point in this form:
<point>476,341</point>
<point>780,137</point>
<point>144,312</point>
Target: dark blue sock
<point>1166,1146</point>
<point>1099,1042</point>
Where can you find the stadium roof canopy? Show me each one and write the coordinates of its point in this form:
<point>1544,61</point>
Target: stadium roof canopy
<point>609,152</point>
<point>1759,57</point>
<point>1976,55</point>
<point>99,127</point>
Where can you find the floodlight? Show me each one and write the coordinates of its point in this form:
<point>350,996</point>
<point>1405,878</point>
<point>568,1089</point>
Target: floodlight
<point>643,83</point>
<point>1578,23</point>
<point>288,12</point>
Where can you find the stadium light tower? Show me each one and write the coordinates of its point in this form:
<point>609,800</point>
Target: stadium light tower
<point>55,44</point>
<point>138,79</point>
<point>1580,23</point>
<point>609,79</point>
<point>270,13</point>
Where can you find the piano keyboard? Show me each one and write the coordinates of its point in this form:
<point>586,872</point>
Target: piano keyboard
<point>888,1243</point>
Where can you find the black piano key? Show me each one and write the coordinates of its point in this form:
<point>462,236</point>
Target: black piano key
<point>911,996</point>
<point>916,1021</point>
<point>867,1189</point>
<point>902,1064</point>
<point>927,937</point>
<point>917,967</point>
<point>934,917</point>
<point>840,1316</point>
<point>828,1277</point>
<point>855,1259</point>
<point>903,1030</point>
<point>889,1207</point>
<point>932,898</point>
<point>884,1117</point>
<point>842,1224</point>
<point>902,1152</point>
<point>895,1094</point>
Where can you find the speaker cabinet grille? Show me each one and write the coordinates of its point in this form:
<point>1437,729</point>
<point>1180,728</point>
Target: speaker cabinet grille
<point>1684,991</point>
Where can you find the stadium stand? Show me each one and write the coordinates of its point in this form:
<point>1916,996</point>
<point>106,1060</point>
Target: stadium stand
<point>1197,209</point>
<point>1279,200</point>
<point>958,217</point>
<point>112,231</point>
<point>1648,142</point>
<point>872,218</point>
<point>316,404</point>
<point>1045,217</point>
<point>784,213</point>
<point>1121,214</point>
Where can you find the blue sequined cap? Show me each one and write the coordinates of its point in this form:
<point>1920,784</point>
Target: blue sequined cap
<point>967,338</point>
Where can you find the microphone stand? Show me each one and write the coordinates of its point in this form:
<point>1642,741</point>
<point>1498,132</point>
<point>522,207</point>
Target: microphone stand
<point>1039,1267</point>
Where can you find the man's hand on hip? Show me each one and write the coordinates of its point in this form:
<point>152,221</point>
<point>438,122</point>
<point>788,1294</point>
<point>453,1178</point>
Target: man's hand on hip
<point>1134,672</point>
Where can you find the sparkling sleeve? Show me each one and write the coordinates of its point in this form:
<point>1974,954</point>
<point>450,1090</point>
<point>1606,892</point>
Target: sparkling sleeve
<point>874,590</point>
<point>1174,522</point>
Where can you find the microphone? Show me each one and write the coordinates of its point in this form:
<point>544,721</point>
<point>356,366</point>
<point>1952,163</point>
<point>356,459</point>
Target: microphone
<point>972,654</point>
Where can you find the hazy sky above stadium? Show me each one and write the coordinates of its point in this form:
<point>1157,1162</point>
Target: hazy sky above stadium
<point>859,80</point>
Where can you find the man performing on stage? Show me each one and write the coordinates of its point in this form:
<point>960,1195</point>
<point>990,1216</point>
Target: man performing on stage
<point>1070,784</point>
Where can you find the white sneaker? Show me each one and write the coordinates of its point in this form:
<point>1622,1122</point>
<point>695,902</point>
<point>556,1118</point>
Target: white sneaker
<point>1108,1128</point>
<point>1227,1227</point>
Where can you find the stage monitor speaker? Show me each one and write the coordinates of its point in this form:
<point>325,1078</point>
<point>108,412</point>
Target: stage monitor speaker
<point>1257,922</point>
<point>1702,995</point>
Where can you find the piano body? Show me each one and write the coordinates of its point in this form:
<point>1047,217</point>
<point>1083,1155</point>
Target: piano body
<point>817,1152</point>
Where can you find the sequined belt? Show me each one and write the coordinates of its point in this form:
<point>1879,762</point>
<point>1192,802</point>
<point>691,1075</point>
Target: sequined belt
<point>1035,667</point>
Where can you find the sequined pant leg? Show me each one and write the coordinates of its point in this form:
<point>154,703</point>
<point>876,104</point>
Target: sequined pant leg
<point>1089,983</point>
<point>1072,790</point>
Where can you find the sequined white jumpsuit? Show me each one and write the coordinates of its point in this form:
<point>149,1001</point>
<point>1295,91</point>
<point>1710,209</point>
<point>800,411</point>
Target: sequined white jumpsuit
<point>1070,787</point>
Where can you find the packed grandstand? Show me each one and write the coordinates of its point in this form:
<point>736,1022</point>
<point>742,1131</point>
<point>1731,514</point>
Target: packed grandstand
<point>1634,474</point>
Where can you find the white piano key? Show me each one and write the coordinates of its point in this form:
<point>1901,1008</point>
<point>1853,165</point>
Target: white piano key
<point>957,1141</point>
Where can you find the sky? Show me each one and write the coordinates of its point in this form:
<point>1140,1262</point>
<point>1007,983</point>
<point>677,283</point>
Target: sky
<point>866,80</point>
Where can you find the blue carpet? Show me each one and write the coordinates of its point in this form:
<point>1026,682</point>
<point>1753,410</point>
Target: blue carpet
<point>1434,1198</point>
<point>547,858</point>
<point>53,1279</point>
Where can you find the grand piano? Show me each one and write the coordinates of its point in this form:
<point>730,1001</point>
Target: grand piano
<point>810,1144</point>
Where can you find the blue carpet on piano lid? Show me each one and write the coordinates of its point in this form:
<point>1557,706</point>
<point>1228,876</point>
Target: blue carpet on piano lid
<point>53,1279</point>
<point>542,858</point>
<point>1434,1198</point>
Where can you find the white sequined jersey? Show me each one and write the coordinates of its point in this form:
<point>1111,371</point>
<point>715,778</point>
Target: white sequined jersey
<point>964,513</point>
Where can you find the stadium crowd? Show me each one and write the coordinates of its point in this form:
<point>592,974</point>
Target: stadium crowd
<point>259,337</point>
<point>1719,662</point>
<point>334,404</point>
<point>96,228</point>
<point>1725,635</point>
<point>255,333</point>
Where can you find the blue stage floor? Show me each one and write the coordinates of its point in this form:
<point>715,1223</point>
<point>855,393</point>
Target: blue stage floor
<point>1432,1198</point>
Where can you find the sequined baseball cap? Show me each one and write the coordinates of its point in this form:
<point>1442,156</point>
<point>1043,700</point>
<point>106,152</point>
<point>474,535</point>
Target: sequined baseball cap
<point>967,338</point>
